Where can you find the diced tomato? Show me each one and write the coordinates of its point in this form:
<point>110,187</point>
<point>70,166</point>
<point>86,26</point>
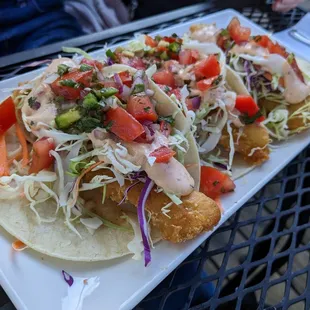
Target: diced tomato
<point>72,93</point>
<point>92,62</point>
<point>7,115</point>
<point>237,32</point>
<point>165,128</point>
<point>246,104</point>
<point>214,183</point>
<point>276,48</point>
<point>263,41</point>
<point>163,154</point>
<point>162,48</point>
<point>126,78</point>
<point>164,77</point>
<point>207,68</point>
<point>141,108</point>
<point>176,92</point>
<point>260,119</point>
<point>173,55</point>
<point>123,124</point>
<point>150,41</point>
<point>41,158</point>
<point>204,85</point>
<point>169,39</point>
<point>188,57</point>
<point>134,62</point>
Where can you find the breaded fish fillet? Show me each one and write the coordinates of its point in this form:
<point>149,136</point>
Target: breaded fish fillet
<point>252,144</point>
<point>198,213</point>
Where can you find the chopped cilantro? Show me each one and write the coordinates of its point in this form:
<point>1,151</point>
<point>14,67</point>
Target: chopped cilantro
<point>139,88</point>
<point>169,119</point>
<point>224,33</point>
<point>215,183</point>
<point>109,125</point>
<point>250,119</point>
<point>146,109</point>
<point>33,103</point>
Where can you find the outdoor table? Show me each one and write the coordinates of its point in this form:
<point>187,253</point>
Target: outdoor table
<point>259,258</point>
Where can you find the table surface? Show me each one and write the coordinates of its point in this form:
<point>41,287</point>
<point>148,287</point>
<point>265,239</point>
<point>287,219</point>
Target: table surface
<point>259,258</point>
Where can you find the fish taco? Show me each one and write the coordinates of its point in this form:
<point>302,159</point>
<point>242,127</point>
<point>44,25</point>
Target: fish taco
<point>96,163</point>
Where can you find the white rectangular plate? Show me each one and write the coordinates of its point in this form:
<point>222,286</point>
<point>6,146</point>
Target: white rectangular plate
<point>34,281</point>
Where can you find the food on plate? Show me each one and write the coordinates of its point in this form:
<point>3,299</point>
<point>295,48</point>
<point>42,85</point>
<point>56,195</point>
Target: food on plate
<point>96,162</point>
<point>277,80</point>
<point>194,76</point>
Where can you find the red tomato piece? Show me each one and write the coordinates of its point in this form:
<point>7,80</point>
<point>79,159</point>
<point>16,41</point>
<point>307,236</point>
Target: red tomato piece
<point>72,93</point>
<point>41,158</point>
<point>163,154</point>
<point>276,48</point>
<point>92,62</point>
<point>162,49</point>
<point>204,85</point>
<point>263,41</point>
<point>176,92</point>
<point>260,119</point>
<point>150,41</point>
<point>173,55</point>
<point>169,39</point>
<point>207,68</point>
<point>165,128</point>
<point>214,183</point>
<point>246,104</point>
<point>7,115</point>
<point>188,57</point>
<point>237,32</point>
<point>141,108</point>
<point>123,124</point>
<point>126,78</point>
<point>164,77</point>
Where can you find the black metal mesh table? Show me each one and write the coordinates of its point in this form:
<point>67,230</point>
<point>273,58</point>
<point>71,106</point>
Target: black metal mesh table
<point>259,258</point>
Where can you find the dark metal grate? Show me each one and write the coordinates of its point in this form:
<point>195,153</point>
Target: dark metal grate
<point>259,258</point>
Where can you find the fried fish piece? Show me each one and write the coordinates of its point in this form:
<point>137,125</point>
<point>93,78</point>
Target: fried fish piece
<point>252,144</point>
<point>295,120</point>
<point>198,213</point>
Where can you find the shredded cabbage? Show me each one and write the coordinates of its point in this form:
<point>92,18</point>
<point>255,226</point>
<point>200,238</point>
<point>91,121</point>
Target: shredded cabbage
<point>276,123</point>
<point>135,245</point>
<point>76,50</point>
<point>138,44</point>
<point>174,198</point>
<point>231,145</point>
<point>165,210</point>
